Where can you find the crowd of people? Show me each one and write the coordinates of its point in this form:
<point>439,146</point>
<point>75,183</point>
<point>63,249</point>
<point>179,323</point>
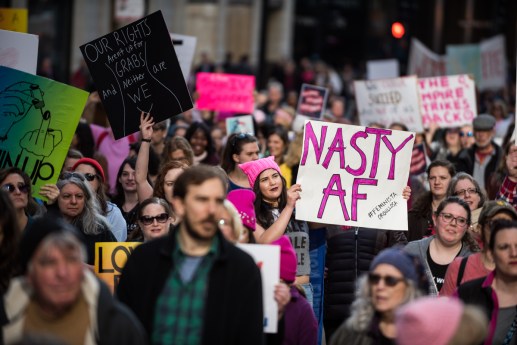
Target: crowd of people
<point>190,192</point>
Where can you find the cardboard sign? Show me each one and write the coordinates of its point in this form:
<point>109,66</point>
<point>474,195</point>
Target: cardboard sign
<point>14,19</point>
<point>185,46</point>
<point>464,59</point>
<point>382,69</point>
<point>493,63</point>
<point>449,101</point>
<point>353,175</point>
<point>423,62</point>
<point>110,259</point>
<point>19,51</point>
<point>267,257</point>
<point>135,69</point>
<point>240,124</point>
<point>312,101</point>
<point>227,92</point>
<point>389,100</point>
<point>38,118</point>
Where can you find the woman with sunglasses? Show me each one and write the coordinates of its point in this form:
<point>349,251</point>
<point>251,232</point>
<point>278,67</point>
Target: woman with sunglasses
<point>154,220</point>
<point>240,148</point>
<point>78,205</point>
<point>94,174</point>
<point>17,184</point>
<point>496,293</point>
<point>451,220</point>
<point>394,279</point>
<point>480,264</point>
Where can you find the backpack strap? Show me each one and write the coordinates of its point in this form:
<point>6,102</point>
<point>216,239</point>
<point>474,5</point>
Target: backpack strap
<point>461,270</point>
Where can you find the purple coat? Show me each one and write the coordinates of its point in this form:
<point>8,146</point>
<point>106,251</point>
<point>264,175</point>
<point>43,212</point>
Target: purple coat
<point>301,327</point>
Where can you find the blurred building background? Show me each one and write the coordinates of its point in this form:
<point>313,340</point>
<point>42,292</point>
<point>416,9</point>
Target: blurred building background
<point>269,32</point>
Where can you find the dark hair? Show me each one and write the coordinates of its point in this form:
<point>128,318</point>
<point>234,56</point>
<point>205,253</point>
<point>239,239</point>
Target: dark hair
<point>233,146</point>
<point>178,143</point>
<point>444,164</point>
<point>263,209</point>
<point>157,201</point>
<point>120,197</point>
<point>455,200</point>
<point>32,206</point>
<point>497,226</point>
<point>399,124</point>
<point>73,153</point>
<point>84,135</point>
<point>10,242</point>
<point>196,176</point>
<point>210,147</point>
<point>160,179</point>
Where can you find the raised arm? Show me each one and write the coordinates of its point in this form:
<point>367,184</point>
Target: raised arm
<point>143,188</point>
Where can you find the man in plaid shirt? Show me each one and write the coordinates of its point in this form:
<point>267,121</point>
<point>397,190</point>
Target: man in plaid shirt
<point>192,286</point>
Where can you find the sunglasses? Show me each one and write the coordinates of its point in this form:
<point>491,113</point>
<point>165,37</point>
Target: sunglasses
<point>88,176</point>
<point>148,220</point>
<point>390,281</point>
<point>23,188</point>
<point>466,134</point>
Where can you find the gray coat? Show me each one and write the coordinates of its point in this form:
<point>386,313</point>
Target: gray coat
<point>419,249</point>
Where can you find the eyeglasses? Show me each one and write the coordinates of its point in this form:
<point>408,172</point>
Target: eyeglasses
<point>240,136</point>
<point>462,192</point>
<point>82,177</point>
<point>390,281</point>
<point>22,188</point>
<point>448,218</point>
<point>468,134</point>
<point>148,220</point>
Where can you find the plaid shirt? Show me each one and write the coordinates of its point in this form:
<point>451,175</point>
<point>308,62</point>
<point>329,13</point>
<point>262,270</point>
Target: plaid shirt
<point>508,192</point>
<point>179,308</point>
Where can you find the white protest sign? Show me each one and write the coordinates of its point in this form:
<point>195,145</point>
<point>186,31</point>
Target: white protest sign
<point>19,51</point>
<point>448,101</point>
<point>352,175</point>
<point>267,257</point>
<point>389,100</point>
<point>240,124</point>
<point>493,63</point>
<point>382,69</point>
<point>423,62</point>
<point>185,46</point>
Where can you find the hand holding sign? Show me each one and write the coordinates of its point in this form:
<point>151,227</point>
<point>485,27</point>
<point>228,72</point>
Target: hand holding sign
<point>293,194</point>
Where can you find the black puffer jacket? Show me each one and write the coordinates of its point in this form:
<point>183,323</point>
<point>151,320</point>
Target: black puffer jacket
<point>349,254</point>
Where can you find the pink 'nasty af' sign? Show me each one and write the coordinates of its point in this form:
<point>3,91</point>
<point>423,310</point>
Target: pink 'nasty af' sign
<point>227,92</point>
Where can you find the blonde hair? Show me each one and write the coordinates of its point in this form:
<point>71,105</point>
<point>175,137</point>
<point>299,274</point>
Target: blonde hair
<point>472,328</point>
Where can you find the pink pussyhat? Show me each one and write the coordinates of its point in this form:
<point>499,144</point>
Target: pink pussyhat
<point>243,200</point>
<point>287,259</point>
<point>254,168</point>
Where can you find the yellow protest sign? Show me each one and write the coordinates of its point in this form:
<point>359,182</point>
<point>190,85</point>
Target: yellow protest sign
<point>14,19</point>
<point>110,259</point>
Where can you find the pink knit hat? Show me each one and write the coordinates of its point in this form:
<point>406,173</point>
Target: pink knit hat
<point>243,200</point>
<point>254,168</point>
<point>287,259</point>
<point>433,318</point>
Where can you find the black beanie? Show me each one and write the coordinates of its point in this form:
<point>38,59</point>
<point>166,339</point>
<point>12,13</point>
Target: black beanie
<point>36,231</point>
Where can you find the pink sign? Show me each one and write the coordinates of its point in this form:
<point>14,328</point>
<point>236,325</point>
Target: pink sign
<point>227,92</point>
<point>448,101</point>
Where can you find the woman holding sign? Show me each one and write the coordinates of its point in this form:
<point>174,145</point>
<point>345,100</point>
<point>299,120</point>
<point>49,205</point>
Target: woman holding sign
<point>274,208</point>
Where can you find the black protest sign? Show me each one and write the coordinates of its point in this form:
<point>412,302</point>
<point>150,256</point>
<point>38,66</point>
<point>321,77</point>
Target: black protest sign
<point>135,69</point>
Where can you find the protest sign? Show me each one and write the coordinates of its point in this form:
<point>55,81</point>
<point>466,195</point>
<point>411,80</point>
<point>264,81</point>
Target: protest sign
<point>240,124</point>
<point>423,62</point>
<point>493,63</point>
<point>312,101</point>
<point>227,92</point>
<point>382,69</point>
<point>19,51</point>
<point>185,46</point>
<point>135,69</point>
<point>464,59</point>
<point>448,101</point>
<point>38,118</point>
<point>14,19</point>
<point>110,259</point>
<point>267,258</point>
<point>353,175</point>
<point>389,100</point>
